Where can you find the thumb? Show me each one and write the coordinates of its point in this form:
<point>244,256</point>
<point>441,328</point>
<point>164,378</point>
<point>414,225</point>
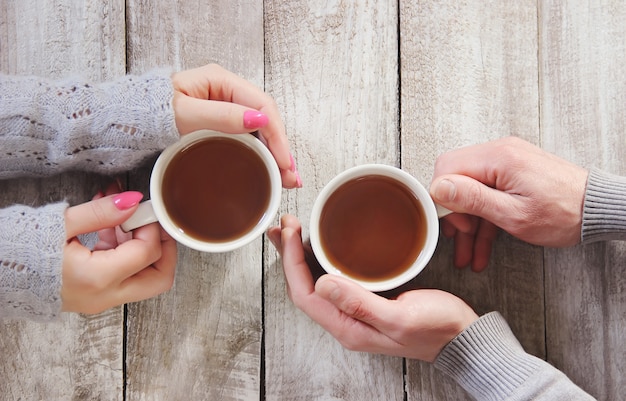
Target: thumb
<point>98,214</point>
<point>355,301</point>
<point>463,194</point>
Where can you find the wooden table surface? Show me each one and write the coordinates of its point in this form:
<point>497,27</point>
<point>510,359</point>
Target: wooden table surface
<point>395,82</point>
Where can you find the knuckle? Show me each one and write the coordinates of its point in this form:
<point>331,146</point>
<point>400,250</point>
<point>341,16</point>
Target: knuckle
<point>474,197</point>
<point>351,344</point>
<point>93,309</point>
<point>214,67</point>
<point>511,149</point>
<point>349,341</point>
<point>167,282</point>
<point>149,253</point>
<point>441,162</point>
<point>355,308</point>
<point>271,102</point>
<point>298,301</point>
<point>519,221</point>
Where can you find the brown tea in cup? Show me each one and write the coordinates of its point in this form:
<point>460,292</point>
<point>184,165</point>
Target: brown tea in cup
<point>216,189</point>
<point>222,192</point>
<point>372,228</point>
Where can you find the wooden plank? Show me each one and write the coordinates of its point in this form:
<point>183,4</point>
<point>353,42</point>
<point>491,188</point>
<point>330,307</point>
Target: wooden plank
<point>469,75</point>
<point>583,93</point>
<point>202,340</point>
<point>332,68</point>
<point>80,357</point>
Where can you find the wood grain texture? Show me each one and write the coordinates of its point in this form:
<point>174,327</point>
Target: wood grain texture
<point>332,68</point>
<point>583,93</point>
<point>79,358</point>
<point>469,75</point>
<point>356,82</point>
<point>202,340</point>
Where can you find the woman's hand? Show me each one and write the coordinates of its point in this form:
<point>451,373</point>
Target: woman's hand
<point>417,324</point>
<point>122,267</point>
<point>511,184</point>
<point>211,97</point>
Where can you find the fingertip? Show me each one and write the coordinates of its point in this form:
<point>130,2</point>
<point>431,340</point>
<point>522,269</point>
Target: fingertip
<point>328,288</point>
<point>127,200</point>
<point>290,180</point>
<point>290,221</point>
<point>277,142</point>
<point>254,119</point>
<point>443,190</point>
<point>447,228</point>
<point>478,267</point>
<point>273,234</point>
<point>287,233</point>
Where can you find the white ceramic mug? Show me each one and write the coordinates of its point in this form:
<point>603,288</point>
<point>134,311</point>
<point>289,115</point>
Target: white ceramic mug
<point>431,211</point>
<point>154,209</point>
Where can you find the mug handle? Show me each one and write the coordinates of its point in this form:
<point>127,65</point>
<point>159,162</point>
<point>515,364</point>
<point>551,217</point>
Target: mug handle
<point>442,211</point>
<point>143,216</point>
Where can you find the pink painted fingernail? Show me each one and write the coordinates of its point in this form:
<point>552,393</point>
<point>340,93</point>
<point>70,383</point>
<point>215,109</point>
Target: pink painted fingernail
<point>293,163</point>
<point>127,199</point>
<point>254,119</point>
<point>298,179</point>
<point>294,170</point>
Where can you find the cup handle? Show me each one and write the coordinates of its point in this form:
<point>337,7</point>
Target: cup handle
<point>442,211</point>
<point>144,215</point>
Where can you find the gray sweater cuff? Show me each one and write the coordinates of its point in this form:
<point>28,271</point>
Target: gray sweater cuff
<point>488,366</point>
<point>31,260</point>
<point>604,210</point>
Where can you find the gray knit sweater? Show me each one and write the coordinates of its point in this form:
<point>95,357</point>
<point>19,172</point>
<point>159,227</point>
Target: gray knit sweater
<point>487,360</point>
<point>49,127</point>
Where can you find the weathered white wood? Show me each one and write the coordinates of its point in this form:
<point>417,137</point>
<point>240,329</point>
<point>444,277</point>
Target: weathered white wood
<point>80,357</point>
<point>469,75</point>
<point>332,68</point>
<point>202,340</point>
<point>583,119</point>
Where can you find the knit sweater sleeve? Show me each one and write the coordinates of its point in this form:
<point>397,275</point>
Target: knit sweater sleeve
<point>604,208</point>
<point>48,127</point>
<point>490,364</point>
<point>31,256</point>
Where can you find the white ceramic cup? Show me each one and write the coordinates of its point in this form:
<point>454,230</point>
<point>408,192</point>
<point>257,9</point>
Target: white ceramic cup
<point>432,213</point>
<point>154,210</point>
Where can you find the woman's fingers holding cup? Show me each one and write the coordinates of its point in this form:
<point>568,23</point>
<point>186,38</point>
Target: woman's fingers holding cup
<point>154,278</point>
<point>297,273</point>
<point>355,301</point>
<point>319,305</point>
<point>137,269</point>
<point>102,213</point>
<point>211,97</point>
<point>233,118</point>
<point>360,319</point>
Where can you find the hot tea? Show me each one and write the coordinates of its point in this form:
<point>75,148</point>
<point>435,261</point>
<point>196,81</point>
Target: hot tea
<point>216,189</point>
<point>372,228</point>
